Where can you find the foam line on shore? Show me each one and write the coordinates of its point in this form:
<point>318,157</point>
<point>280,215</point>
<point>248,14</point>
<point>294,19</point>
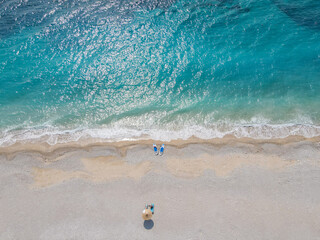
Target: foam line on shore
<point>51,151</point>
<point>55,136</point>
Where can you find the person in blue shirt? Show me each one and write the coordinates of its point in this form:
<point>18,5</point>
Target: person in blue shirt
<point>151,206</point>
<point>161,149</point>
<point>155,149</point>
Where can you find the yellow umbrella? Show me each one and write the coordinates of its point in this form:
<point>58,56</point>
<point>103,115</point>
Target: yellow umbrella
<point>146,214</point>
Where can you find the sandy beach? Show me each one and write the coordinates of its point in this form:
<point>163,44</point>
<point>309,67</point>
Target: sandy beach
<point>219,189</point>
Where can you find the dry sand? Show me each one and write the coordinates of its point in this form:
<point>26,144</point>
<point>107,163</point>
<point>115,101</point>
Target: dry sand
<point>218,189</point>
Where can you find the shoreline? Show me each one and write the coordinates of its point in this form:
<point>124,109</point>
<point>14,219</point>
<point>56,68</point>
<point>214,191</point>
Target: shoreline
<point>45,148</point>
<point>55,136</point>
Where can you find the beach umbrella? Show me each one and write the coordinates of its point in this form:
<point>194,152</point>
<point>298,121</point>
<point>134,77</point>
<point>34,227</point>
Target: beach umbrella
<point>146,214</point>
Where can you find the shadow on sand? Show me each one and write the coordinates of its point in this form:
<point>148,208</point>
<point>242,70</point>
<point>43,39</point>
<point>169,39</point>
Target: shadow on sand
<point>148,224</point>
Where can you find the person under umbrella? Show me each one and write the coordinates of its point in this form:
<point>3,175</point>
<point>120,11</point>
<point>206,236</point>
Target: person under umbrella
<point>148,211</point>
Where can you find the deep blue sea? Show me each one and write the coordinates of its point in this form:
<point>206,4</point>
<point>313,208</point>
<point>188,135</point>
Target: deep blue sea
<point>160,69</point>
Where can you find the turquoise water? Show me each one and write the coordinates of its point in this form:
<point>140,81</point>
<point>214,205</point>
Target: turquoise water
<point>168,69</point>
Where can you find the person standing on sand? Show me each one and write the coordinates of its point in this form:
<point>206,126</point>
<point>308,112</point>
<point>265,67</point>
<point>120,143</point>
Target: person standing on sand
<point>151,206</point>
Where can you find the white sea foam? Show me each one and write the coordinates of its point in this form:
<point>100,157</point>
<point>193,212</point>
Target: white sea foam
<point>54,136</point>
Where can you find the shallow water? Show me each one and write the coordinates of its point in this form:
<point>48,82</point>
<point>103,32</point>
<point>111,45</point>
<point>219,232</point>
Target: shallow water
<point>158,69</point>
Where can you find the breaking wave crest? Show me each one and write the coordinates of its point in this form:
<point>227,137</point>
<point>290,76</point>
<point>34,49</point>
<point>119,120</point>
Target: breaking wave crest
<point>54,136</point>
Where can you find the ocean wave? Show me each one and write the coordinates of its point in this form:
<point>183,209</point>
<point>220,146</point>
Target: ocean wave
<point>52,136</point>
<point>159,69</point>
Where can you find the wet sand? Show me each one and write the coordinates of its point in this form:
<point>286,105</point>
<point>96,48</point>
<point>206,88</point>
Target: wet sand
<point>215,189</point>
